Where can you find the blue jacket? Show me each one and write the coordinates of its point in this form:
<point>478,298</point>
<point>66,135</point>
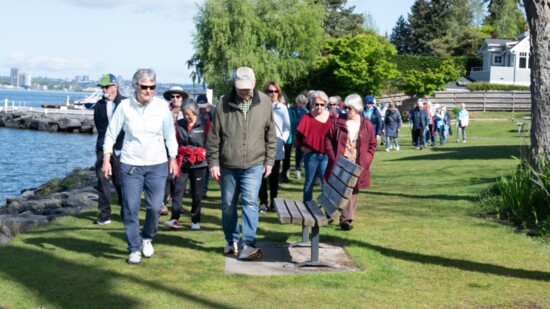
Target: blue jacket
<point>419,118</point>
<point>376,120</point>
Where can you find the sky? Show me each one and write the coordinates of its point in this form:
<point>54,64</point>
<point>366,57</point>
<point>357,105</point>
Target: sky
<point>65,38</point>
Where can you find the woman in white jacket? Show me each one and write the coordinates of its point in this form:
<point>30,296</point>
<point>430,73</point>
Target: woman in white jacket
<point>282,129</point>
<point>462,121</point>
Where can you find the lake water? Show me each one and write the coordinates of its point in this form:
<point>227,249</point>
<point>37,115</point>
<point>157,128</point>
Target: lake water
<point>29,158</point>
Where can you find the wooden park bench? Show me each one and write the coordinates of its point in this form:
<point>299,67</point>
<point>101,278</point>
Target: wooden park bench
<point>335,196</point>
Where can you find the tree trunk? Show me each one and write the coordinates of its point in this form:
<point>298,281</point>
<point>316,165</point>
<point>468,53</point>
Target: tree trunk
<point>538,17</point>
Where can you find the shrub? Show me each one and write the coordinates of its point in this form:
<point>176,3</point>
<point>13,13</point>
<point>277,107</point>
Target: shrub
<point>523,198</point>
<point>483,86</point>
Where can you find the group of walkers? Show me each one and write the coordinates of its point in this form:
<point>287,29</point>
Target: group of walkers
<point>429,122</point>
<point>146,145</point>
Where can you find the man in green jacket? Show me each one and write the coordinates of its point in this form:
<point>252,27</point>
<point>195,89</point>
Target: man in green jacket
<point>240,150</point>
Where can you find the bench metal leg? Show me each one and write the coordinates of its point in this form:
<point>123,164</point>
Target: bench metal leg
<point>315,252</point>
<point>305,238</point>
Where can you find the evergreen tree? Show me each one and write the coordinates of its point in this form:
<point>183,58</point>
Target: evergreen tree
<point>341,21</point>
<point>400,36</point>
<point>419,27</point>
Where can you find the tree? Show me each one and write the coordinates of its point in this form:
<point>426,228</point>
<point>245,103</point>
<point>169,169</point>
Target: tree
<point>340,20</point>
<point>419,29</point>
<point>356,64</point>
<point>259,34</point>
<point>400,36</point>
<point>538,16</point>
<point>423,83</point>
<point>506,18</point>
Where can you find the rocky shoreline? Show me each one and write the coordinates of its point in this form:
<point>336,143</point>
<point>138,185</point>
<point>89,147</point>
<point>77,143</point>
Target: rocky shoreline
<point>56,198</point>
<point>44,121</point>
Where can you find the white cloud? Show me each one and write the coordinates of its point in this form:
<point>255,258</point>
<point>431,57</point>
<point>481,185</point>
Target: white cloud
<point>50,63</point>
<point>169,8</point>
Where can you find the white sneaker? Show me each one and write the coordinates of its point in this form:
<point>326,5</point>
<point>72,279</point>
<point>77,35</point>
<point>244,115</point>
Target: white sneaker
<point>263,208</point>
<point>195,226</point>
<point>231,248</point>
<point>147,248</point>
<point>135,258</point>
<point>387,150</point>
<point>464,141</point>
<point>173,224</point>
<point>397,148</point>
<point>298,175</point>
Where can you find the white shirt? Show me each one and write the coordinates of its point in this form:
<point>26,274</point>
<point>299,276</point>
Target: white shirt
<point>149,130</point>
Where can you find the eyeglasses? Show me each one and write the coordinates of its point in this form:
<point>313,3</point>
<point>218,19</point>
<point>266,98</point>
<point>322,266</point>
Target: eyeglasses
<point>105,87</point>
<point>333,104</point>
<point>145,87</point>
<point>319,105</point>
<point>174,96</point>
<point>348,108</point>
<point>273,91</point>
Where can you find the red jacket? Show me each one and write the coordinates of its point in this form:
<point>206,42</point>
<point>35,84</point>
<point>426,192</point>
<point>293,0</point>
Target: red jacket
<point>335,144</point>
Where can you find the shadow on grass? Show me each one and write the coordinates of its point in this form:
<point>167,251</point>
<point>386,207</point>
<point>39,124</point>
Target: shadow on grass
<point>465,153</point>
<point>445,197</point>
<point>66,284</point>
<point>448,262</point>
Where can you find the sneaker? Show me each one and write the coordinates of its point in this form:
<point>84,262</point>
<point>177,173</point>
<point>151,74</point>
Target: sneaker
<point>250,252</point>
<point>135,258</point>
<point>263,208</point>
<point>397,148</point>
<point>195,226</point>
<point>231,248</point>
<point>102,221</point>
<point>387,150</point>
<point>417,148</point>
<point>147,248</point>
<point>172,223</point>
<point>298,174</point>
<point>464,141</point>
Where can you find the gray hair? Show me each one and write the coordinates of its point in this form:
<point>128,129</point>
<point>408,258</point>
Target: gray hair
<point>147,75</point>
<point>301,98</point>
<point>335,99</point>
<point>354,101</point>
<point>191,105</point>
<point>318,94</point>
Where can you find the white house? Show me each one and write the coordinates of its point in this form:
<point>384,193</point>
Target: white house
<point>504,62</point>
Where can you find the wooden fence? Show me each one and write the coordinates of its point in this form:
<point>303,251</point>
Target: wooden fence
<point>486,101</point>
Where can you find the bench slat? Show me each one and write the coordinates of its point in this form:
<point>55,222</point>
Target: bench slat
<point>282,211</point>
<point>295,213</point>
<point>317,214</point>
<point>344,176</point>
<point>337,185</point>
<point>309,220</point>
<point>335,198</point>
<point>328,206</point>
<point>349,166</point>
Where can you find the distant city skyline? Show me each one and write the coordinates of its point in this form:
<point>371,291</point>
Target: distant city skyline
<point>82,37</point>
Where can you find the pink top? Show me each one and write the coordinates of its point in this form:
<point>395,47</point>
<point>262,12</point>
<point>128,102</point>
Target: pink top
<point>311,133</point>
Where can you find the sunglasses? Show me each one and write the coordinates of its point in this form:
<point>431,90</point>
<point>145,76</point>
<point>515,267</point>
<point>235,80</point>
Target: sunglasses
<point>105,87</point>
<point>272,91</point>
<point>348,108</point>
<point>319,105</point>
<point>145,87</point>
<point>333,104</point>
<point>174,96</point>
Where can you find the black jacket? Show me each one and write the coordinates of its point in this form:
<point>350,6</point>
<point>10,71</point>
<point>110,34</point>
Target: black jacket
<point>194,138</point>
<point>101,122</point>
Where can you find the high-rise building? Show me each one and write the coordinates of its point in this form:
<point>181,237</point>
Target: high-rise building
<point>14,77</point>
<point>25,80</point>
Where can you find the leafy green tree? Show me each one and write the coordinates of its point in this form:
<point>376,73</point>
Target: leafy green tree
<point>356,64</point>
<point>340,20</point>
<point>279,39</point>
<point>400,36</point>
<point>424,83</point>
<point>506,18</point>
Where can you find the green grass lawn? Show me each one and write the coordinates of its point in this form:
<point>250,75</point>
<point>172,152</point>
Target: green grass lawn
<point>416,239</point>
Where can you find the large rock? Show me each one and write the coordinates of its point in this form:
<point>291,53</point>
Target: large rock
<point>11,225</point>
<point>69,124</point>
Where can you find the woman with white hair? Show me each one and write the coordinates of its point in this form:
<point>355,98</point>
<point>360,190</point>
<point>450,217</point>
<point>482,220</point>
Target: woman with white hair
<point>352,137</point>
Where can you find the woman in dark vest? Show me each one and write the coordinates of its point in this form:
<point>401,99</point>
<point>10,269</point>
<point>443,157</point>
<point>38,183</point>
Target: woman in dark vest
<point>191,135</point>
